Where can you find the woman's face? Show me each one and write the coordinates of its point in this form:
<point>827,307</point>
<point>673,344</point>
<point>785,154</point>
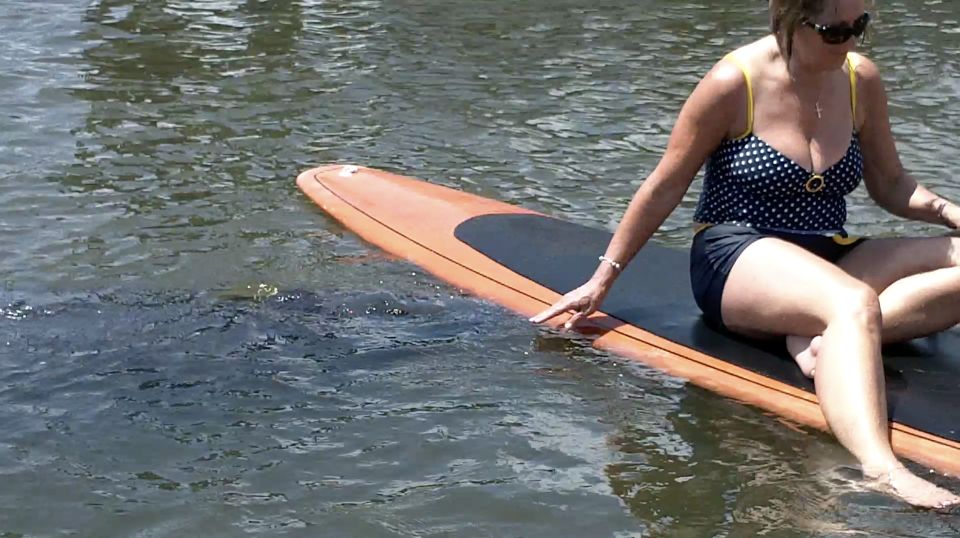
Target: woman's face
<point>815,41</point>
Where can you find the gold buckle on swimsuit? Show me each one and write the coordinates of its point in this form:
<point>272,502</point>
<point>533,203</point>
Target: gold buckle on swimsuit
<point>815,183</point>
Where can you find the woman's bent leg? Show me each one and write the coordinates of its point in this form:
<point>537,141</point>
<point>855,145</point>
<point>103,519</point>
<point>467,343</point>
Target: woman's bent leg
<point>918,280</point>
<point>779,288</point>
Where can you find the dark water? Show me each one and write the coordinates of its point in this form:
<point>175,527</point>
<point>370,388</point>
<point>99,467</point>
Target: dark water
<point>190,348</point>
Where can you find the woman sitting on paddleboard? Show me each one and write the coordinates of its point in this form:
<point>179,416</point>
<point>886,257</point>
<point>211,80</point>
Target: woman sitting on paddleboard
<point>788,125</point>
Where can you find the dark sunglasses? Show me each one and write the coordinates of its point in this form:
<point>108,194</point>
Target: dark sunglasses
<point>835,34</point>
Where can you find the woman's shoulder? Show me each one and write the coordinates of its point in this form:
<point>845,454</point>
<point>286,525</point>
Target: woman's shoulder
<point>755,51</point>
<point>864,67</point>
<point>735,69</point>
<point>867,78</point>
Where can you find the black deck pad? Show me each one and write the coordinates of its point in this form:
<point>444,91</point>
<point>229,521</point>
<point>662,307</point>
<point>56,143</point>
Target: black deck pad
<point>923,376</point>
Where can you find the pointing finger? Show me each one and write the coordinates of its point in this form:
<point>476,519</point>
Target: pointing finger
<point>551,312</point>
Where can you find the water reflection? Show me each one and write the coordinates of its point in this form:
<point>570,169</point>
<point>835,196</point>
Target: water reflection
<point>167,80</point>
<point>193,124</point>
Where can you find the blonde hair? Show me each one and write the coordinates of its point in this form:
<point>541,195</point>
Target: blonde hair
<point>787,15</point>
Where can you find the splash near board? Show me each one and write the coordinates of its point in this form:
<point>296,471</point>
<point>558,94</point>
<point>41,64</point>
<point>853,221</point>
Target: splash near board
<point>516,258</point>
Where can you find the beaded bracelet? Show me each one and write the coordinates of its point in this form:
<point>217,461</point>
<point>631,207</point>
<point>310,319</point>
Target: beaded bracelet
<point>616,265</point>
<point>943,205</point>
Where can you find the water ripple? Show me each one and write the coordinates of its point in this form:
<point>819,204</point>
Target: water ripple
<point>147,152</point>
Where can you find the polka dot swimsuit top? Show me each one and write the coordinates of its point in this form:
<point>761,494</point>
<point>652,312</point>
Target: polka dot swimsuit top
<point>749,183</point>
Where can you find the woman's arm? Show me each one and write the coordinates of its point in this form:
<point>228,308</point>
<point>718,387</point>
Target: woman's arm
<point>887,182</point>
<point>704,121</point>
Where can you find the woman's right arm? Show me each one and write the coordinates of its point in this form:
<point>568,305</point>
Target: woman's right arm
<point>712,112</point>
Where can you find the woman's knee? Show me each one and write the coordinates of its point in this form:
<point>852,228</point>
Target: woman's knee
<point>857,302</point>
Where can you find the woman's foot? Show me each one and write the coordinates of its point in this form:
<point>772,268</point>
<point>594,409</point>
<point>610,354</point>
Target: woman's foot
<point>805,351</point>
<point>902,483</point>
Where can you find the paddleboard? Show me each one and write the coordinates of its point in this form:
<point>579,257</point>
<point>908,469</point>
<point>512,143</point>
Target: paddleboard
<point>524,261</point>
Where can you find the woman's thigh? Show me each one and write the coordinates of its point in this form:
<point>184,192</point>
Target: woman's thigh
<point>881,262</point>
<point>778,288</point>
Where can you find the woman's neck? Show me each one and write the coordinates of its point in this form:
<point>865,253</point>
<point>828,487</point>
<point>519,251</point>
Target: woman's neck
<point>803,74</point>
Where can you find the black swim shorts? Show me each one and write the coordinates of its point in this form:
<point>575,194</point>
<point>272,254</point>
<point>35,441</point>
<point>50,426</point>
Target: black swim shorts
<point>716,248</point>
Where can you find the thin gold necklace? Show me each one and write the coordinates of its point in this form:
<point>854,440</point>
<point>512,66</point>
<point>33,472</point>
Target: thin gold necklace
<point>817,106</point>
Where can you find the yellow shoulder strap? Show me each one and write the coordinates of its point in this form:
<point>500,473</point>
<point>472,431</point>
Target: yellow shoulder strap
<point>746,76</point>
<point>852,69</point>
